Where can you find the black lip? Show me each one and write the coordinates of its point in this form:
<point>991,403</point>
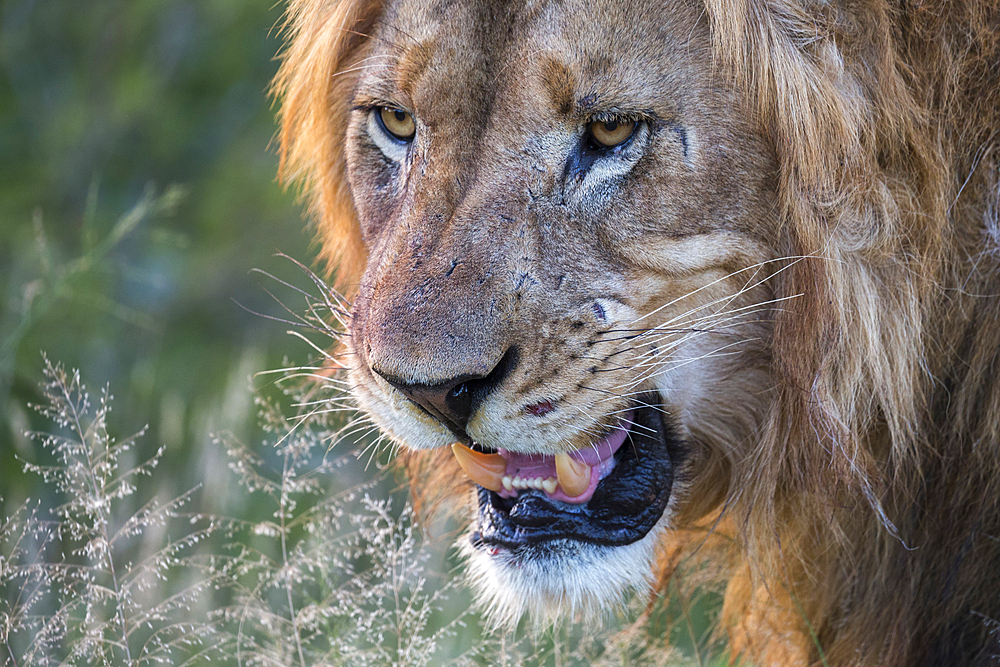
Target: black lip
<point>625,506</point>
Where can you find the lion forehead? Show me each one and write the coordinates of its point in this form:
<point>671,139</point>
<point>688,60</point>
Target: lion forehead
<point>463,58</point>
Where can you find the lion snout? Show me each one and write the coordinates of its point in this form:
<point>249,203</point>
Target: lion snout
<point>441,331</point>
<point>454,400</point>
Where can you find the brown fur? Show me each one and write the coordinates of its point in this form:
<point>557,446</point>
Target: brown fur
<point>866,506</point>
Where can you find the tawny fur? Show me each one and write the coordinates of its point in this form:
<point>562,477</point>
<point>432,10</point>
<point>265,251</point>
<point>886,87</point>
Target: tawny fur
<point>867,510</point>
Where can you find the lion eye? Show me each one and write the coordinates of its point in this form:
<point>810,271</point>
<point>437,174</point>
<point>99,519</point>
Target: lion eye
<point>610,133</point>
<point>397,123</point>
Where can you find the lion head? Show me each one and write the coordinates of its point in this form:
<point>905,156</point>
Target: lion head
<point>625,271</point>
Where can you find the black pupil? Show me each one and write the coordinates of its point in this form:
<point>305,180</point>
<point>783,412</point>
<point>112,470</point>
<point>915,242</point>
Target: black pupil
<point>611,127</point>
<point>400,115</point>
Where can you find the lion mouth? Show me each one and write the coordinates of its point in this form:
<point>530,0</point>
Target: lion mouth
<point>611,494</point>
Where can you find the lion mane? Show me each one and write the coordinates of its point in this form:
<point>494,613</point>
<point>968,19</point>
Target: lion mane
<point>865,518</point>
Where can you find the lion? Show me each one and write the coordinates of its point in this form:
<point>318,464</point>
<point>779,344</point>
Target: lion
<point>636,280</point>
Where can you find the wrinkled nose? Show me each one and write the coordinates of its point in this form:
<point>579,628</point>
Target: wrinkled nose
<point>454,401</point>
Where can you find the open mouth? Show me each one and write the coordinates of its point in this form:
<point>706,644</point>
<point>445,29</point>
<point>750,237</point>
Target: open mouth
<point>610,494</point>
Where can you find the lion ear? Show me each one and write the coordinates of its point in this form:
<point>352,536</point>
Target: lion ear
<point>313,87</point>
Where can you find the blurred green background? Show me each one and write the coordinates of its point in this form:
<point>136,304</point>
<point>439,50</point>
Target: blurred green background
<point>110,105</point>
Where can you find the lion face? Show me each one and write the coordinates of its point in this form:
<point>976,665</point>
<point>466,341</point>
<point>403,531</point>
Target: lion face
<point>570,228</point>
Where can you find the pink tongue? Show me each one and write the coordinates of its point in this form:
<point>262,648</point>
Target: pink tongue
<point>599,456</point>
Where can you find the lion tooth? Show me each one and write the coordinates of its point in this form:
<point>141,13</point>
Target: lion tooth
<point>549,485</point>
<point>537,483</point>
<point>506,483</point>
<point>574,476</point>
<point>486,470</point>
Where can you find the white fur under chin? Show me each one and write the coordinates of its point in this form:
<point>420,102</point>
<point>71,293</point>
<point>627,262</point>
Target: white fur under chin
<point>570,579</point>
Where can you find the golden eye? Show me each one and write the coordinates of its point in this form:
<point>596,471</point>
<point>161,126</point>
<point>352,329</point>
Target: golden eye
<point>397,122</point>
<point>611,133</point>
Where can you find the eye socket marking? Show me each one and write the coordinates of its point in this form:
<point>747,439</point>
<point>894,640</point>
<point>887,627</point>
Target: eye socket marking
<point>604,134</point>
<point>607,139</point>
<point>396,123</point>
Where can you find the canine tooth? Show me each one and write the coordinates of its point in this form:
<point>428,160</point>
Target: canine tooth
<point>506,483</point>
<point>486,470</point>
<point>549,485</point>
<point>574,476</point>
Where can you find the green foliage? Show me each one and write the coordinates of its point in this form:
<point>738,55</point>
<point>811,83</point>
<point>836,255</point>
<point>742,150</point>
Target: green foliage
<point>79,588</point>
<point>330,578</point>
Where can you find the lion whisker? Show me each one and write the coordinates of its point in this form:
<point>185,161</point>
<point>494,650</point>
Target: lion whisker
<point>372,449</point>
<point>612,395</point>
<point>599,433</point>
<point>312,372</point>
<point>674,364</point>
<point>360,424</point>
<point>751,267</point>
<point>638,332</point>
<point>721,323</point>
<point>708,316</point>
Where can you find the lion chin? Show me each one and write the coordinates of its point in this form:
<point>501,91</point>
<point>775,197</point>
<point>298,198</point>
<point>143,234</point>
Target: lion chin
<point>636,281</point>
<point>562,579</point>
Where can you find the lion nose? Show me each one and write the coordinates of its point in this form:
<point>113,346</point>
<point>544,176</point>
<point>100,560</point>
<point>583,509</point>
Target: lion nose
<point>453,401</point>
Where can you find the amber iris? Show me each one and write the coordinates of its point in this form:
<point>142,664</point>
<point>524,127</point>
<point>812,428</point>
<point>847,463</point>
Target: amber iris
<point>611,133</point>
<point>397,122</point>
